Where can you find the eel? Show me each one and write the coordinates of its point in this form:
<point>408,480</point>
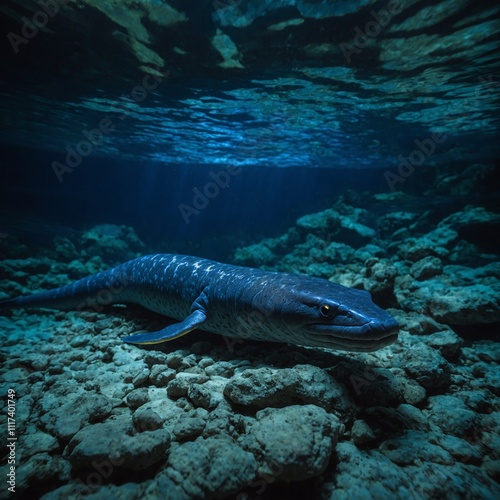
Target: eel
<point>234,301</point>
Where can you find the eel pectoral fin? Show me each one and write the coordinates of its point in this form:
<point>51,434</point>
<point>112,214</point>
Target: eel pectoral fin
<point>193,321</point>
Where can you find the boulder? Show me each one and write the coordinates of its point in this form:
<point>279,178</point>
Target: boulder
<point>115,444</point>
<point>293,443</point>
<point>214,467</point>
<point>270,387</point>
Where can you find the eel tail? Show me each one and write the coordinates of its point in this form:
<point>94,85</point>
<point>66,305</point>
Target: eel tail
<point>91,293</point>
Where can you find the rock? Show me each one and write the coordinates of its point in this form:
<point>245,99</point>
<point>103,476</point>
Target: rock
<point>413,393</point>
<point>174,359</point>
<point>447,342</point>
<point>31,266</point>
<point>488,274</point>
<point>37,361</point>
<point>322,224</point>
<point>180,385</point>
<point>354,233</point>
<point>141,377</point>
<point>417,324</point>
<point>161,375</point>
<point>112,242</point>
<point>78,341</point>
<point>443,238</point>
<point>490,379</point>
<point>382,419</point>
<point>221,369</point>
<point>206,468</point>
<point>369,386</point>
<point>254,255</point>
<point>415,249</point>
<point>114,443</point>
<point>189,363</point>
<point>344,224</point>
<point>492,467</point>
<point>15,375</point>
<point>367,252</point>
<point>476,225</point>
<point>487,351</point>
<point>479,369</point>
<point>477,401</point>
<point>157,413</point>
<point>361,432</point>
<point>209,394</point>
<point>460,296</point>
<point>463,305</point>
<point>412,417</point>
<point>75,268</point>
<point>323,270</point>
<point>426,268</point>
<point>293,443</point>
<point>369,474</point>
<point>380,276</point>
<point>74,412</point>
<point>458,448</point>
<point>389,223</point>
<point>366,474</point>
<point>489,433</point>
<point>156,358</point>
<point>221,421</point>
<point>137,397</point>
<point>33,441</point>
<point>334,252</point>
<point>413,447</point>
<point>41,469</point>
<point>188,428</point>
<point>451,415</point>
<point>269,387</point>
<point>427,367</point>
<point>25,406</point>
<point>147,421</point>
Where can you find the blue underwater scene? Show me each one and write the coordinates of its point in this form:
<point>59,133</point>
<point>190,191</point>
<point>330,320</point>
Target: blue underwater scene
<point>249,249</point>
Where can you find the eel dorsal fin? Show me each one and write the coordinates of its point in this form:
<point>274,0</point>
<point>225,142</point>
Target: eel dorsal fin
<point>171,332</point>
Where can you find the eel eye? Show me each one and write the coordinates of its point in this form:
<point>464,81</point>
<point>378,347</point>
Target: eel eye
<point>326,311</point>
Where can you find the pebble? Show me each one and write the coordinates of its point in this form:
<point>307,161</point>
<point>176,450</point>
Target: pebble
<point>361,433</point>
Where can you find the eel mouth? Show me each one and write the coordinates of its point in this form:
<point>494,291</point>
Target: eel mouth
<point>367,337</point>
<point>352,345</point>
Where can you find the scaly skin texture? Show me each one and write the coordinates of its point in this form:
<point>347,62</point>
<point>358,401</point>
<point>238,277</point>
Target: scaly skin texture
<point>234,301</point>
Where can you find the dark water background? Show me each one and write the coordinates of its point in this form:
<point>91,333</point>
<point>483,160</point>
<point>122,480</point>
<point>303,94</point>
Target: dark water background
<point>147,195</point>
